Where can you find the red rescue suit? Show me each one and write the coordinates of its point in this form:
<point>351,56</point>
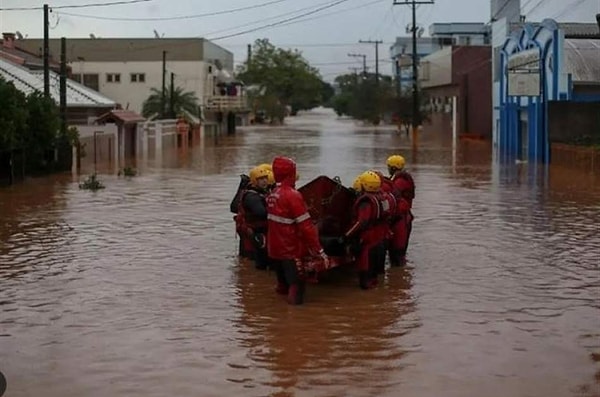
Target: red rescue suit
<point>290,231</point>
<point>404,191</point>
<point>370,231</point>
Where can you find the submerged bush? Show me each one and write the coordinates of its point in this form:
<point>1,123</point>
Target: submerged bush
<point>91,183</point>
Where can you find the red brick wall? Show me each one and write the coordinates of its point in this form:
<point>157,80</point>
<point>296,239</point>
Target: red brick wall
<point>472,71</point>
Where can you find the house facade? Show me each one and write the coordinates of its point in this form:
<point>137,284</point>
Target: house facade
<point>126,69</point>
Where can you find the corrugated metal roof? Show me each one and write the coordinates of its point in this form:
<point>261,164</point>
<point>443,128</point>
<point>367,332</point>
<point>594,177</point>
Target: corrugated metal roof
<point>569,28</point>
<point>28,81</point>
<point>582,59</point>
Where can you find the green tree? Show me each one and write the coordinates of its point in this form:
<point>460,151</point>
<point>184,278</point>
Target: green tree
<point>13,116</point>
<point>181,101</point>
<point>365,98</point>
<point>41,140</point>
<point>285,79</point>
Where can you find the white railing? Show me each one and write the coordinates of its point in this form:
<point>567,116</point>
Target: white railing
<point>223,102</point>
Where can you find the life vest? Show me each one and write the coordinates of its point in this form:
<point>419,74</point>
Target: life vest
<point>245,220</point>
<point>375,203</point>
<point>388,204</point>
<point>404,186</point>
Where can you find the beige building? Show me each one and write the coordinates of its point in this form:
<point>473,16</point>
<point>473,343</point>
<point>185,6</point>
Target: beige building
<point>126,69</point>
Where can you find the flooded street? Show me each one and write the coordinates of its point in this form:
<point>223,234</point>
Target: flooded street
<point>137,290</point>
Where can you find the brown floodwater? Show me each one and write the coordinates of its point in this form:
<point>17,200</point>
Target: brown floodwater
<point>136,290</point>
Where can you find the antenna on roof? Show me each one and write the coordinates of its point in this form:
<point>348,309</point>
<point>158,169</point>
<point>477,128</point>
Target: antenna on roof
<point>158,36</point>
<point>19,35</point>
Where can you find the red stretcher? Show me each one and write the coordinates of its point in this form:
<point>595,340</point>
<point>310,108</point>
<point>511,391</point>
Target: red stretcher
<point>330,207</point>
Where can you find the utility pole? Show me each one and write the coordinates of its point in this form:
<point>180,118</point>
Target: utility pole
<point>163,101</point>
<point>46,53</point>
<point>249,58</point>
<point>63,85</point>
<point>364,58</point>
<point>376,42</point>
<point>172,96</point>
<point>416,119</point>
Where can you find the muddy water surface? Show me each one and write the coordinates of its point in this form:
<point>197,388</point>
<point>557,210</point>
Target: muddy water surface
<point>137,291</point>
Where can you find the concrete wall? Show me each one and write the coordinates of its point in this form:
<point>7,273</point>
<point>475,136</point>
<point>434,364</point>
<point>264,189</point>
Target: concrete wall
<point>570,122</point>
<point>436,68</point>
<point>190,75</point>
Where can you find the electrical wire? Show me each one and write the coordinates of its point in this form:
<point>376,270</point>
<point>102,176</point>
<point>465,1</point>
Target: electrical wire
<point>176,18</point>
<point>114,3</point>
<point>569,8</point>
<point>335,3</point>
<point>327,14</point>
<point>539,3</point>
<point>262,20</point>
<point>501,9</point>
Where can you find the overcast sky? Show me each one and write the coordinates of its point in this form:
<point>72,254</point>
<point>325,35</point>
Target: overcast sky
<point>325,37</point>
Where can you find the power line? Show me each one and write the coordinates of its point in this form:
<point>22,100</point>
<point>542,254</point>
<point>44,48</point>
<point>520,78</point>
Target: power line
<point>539,3</point>
<point>181,17</point>
<point>335,3</point>
<point>335,12</point>
<point>501,9</point>
<point>274,17</point>
<point>114,3</point>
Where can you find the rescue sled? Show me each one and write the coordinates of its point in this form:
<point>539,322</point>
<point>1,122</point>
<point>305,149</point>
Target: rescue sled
<point>330,207</point>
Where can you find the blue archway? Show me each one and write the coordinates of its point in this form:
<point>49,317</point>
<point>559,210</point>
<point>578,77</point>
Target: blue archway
<point>523,130</point>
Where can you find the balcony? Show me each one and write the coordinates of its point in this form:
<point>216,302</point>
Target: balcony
<point>227,103</point>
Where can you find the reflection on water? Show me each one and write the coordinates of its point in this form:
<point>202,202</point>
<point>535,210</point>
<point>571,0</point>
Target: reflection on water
<point>136,290</point>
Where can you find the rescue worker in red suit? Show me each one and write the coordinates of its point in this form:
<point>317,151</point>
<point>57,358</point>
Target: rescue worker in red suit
<point>290,232</point>
<point>367,229</point>
<point>251,218</point>
<point>404,191</point>
<point>388,209</point>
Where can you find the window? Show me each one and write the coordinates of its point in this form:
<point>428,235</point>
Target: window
<point>89,80</point>
<point>138,77</point>
<point>113,77</point>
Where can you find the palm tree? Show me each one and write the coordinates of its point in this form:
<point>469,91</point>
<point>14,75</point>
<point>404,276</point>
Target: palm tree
<point>181,101</point>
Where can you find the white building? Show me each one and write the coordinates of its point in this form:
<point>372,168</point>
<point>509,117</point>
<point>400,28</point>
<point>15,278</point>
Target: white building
<point>126,69</point>
<point>442,35</point>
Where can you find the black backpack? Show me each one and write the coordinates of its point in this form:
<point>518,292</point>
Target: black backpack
<point>244,182</point>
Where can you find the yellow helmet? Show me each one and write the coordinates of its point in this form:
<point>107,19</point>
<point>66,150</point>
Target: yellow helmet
<point>270,177</point>
<point>256,173</point>
<point>356,185</point>
<point>396,161</point>
<point>266,166</point>
<point>370,181</point>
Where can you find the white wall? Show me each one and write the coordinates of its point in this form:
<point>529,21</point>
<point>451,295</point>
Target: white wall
<point>440,68</point>
<point>190,75</point>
